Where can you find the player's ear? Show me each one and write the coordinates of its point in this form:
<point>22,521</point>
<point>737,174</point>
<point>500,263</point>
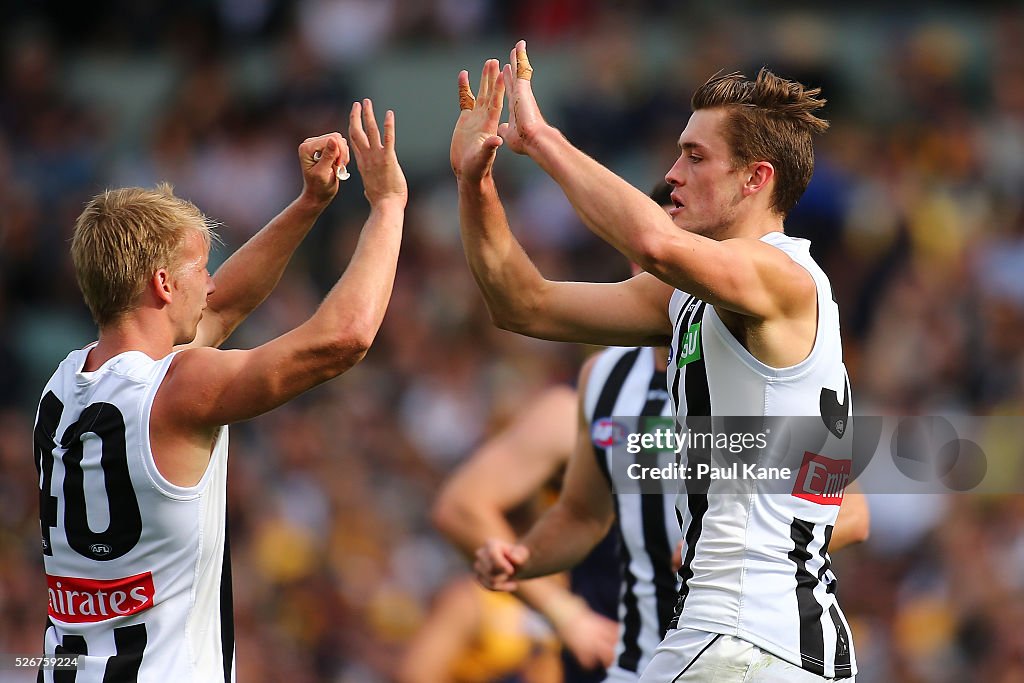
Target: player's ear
<point>759,174</point>
<point>161,283</point>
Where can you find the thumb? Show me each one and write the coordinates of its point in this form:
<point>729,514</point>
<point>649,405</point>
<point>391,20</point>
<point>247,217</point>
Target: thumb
<point>493,142</point>
<point>330,151</point>
<point>518,554</point>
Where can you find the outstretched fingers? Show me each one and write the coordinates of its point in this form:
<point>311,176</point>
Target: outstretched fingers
<point>370,124</point>
<point>522,61</point>
<point>355,127</point>
<point>466,100</point>
<point>389,130</point>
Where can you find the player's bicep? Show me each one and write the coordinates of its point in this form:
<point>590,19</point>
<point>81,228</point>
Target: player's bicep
<point>745,276</point>
<point>207,387</point>
<point>629,313</point>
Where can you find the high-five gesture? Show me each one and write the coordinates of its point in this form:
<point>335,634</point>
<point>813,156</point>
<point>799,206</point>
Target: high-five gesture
<point>524,118</point>
<point>378,166</point>
<point>475,139</point>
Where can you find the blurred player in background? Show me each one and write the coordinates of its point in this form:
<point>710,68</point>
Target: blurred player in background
<point>753,327</point>
<point>524,461</point>
<point>130,441</point>
<point>473,635</point>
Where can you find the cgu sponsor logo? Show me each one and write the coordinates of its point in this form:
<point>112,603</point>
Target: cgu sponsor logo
<point>77,601</point>
<point>822,480</point>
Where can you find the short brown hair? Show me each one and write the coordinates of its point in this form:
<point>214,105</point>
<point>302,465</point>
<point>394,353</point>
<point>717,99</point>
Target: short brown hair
<point>122,237</point>
<point>769,119</point>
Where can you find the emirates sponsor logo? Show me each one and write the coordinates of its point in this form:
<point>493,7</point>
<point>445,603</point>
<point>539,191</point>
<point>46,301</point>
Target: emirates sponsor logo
<point>77,601</point>
<point>822,480</point>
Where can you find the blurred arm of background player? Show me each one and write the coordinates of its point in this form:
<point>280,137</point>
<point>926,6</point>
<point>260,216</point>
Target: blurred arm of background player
<point>569,530</point>
<point>248,276</point>
<point>519,298</point>
<point>854,522</point>
<point>507,471</point>
<point>448,631</point>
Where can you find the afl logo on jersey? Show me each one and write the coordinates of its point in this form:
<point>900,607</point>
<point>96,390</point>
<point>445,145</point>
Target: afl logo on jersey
<point>606,433</point>
<point>100,549</point>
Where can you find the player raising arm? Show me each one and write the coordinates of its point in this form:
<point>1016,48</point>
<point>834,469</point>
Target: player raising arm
<point>132,425</point>
<point>754,333</point>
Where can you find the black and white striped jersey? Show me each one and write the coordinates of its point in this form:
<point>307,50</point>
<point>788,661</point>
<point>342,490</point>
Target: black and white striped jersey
<point>625,382</point>
<point>137,568</point>
<point>755,565</point>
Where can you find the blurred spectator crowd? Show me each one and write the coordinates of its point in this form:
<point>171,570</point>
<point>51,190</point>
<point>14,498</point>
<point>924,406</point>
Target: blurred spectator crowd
<point>916,211</point>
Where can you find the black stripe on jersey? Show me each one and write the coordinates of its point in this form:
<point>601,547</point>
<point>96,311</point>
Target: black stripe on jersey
<point>130,644</point>
<point>826,561</point>
<point>842,660</point>
<point>69,645</point>
<point>652,514</point>
<point>656,533</point>
<point>227,609</point>
<point>812,642</point>
<point>604,408</point>
<point>698,404</point>
<point>607,398</point>
<point>684,310</point>
<point>844,669</point>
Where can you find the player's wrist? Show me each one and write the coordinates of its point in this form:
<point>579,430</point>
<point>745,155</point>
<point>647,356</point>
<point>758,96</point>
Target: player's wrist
<point>311,202</point>
<point>541,138</point>
<point>562,611</point>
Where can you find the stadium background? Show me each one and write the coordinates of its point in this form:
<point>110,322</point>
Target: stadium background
<point>915,209</point>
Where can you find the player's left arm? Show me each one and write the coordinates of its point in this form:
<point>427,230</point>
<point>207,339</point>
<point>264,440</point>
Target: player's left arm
<point>252,272</point>
<point>744,276</point>
<point>584,511</point>
<point>854,522</point>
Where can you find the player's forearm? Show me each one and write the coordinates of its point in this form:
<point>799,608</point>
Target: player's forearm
<point>613,209</point>
<point>550,597</point>
<point>510,283</point>
<point>468,525</point>
<point>560,540</point>
<point>252,272</point>
<point>353,311</point>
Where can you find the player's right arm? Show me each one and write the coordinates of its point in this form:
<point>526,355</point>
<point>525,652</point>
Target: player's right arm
<point>568,531</point>
<point>205,387</point>
<point>518,297</point>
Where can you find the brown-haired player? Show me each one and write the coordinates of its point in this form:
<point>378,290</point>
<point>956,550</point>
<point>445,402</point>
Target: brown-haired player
<point>754,332</point>
<point>130,440</point>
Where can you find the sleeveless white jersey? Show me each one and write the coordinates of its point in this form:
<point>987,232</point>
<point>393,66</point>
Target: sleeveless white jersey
<point>625,382</point>
<point>137,568</point>
<point>755,565</point>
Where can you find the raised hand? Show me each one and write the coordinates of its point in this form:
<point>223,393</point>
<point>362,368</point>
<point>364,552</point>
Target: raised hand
<point>524,118</point>
<point>497,563</point>
<point>475,140</point>
<point>320,157</point>
<point>378,166</point>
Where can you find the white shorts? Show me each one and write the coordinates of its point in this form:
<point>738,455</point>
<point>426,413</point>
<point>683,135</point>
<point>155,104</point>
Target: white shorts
<point>690,656</point>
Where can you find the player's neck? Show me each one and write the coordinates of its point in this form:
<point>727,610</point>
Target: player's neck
<point>755,225</point>
<point>131,333</point>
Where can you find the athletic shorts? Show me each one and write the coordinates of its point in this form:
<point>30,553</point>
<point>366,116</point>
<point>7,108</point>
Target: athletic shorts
<point>690,656</point>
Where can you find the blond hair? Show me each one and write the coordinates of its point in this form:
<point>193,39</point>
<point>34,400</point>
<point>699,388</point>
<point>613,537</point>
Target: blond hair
<point>122,237</point>
<point>768,119</point>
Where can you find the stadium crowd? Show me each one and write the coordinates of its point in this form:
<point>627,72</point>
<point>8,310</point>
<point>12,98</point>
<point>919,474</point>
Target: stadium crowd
<point>915,210</point>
